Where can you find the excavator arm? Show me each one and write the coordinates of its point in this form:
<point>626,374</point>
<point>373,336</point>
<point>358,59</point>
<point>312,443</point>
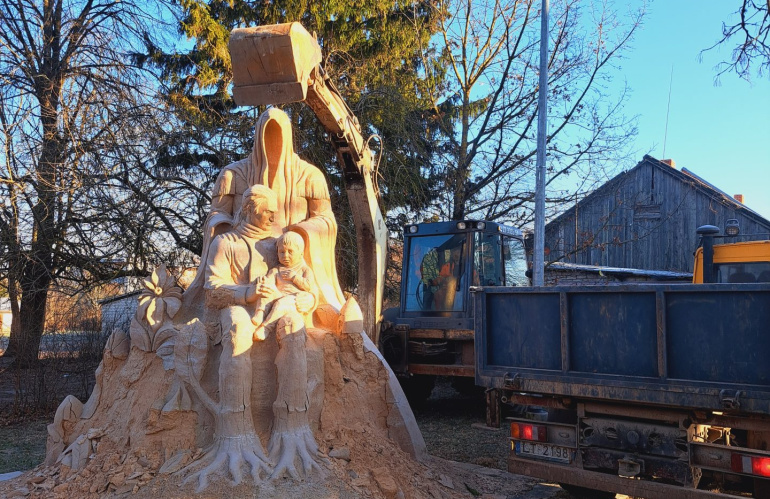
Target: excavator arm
<point>281,63</point>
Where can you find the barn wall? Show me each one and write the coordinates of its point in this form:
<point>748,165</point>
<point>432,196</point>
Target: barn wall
<point>586,278</point>
<point>644,218</point>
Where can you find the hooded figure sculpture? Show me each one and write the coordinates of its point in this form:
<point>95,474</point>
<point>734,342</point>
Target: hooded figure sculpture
<point>304,204</point>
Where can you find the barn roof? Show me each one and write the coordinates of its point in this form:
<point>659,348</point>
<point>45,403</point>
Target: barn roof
<point>683,175</point>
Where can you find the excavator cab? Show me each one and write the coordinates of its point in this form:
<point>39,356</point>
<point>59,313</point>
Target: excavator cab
<point>431,332</point>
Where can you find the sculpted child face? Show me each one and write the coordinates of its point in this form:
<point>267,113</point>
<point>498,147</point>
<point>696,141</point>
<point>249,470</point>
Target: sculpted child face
<point>288,254</point>
<point>291,247</point>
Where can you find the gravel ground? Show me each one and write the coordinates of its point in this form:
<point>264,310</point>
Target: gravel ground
<point>454,428</point>
<point>453,425</point>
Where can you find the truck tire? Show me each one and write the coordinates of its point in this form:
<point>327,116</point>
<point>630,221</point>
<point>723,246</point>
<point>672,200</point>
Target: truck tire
<point>418,388</point>
<point>586,493</point>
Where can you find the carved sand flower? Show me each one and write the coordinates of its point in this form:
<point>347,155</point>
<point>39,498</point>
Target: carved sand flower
<point>162,296</point>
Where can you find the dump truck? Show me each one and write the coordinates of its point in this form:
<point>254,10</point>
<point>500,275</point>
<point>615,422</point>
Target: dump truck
<point>653,390</point>
<point>430,333</point>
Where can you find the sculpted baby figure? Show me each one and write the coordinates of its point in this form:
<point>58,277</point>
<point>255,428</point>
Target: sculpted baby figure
<point>291,277</point>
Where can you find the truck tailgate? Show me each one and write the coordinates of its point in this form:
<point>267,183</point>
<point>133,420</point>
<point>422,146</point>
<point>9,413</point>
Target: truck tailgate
<point>682,345</point>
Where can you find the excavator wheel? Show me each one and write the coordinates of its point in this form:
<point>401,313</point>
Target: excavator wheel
<point>418,387</point>
<point>392,348</point>
<point>467,387</point>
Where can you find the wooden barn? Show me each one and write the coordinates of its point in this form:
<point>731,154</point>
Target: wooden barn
<point>645,218</point>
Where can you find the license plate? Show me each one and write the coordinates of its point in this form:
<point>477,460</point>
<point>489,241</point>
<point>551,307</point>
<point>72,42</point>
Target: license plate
<point>543,451</point>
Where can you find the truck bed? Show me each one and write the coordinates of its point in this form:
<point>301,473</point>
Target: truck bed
<point>697,346</point>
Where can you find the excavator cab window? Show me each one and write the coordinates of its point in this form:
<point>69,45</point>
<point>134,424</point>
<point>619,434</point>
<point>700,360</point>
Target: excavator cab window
<point>499,260</point>
<point>435,273</point>
<point>487,259</point>
<point>515,262</point>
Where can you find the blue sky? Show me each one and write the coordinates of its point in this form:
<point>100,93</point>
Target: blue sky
<point>719,132</point>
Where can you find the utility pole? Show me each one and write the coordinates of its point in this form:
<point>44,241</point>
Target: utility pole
<point>538,263</point>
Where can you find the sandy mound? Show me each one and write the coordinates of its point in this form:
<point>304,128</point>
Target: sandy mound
<point>142,432</point>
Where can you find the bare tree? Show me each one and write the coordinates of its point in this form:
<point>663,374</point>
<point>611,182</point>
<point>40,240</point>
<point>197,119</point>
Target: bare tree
<point>751,36</point>
<point>71,103</point>
<point>485,106</point>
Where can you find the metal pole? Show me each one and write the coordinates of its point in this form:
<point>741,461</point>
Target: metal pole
<point>538,262</point>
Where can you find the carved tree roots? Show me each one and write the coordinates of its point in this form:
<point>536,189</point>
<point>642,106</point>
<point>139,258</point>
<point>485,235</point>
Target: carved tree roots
<point>236,444</point>
<point>232,454</point>
<point>289,445</point>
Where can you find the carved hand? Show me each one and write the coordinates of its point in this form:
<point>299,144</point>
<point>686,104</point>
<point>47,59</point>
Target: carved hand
<point>252,293</point>
<point>304,301</point>
<point>264,290</point>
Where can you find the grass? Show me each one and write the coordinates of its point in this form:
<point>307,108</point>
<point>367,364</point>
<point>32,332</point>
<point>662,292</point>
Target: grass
<point>22,445</point>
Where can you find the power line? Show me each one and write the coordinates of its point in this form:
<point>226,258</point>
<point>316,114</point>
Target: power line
<point>668,110</point>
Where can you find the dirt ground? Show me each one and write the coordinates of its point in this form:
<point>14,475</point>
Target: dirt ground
<point>453,425</point>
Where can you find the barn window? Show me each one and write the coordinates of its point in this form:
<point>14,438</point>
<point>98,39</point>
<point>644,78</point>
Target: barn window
<point>647,212</point>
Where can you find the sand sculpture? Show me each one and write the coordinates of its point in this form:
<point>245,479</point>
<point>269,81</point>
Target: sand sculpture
<point>260,370</point>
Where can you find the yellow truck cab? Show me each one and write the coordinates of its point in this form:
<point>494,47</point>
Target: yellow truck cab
<point>738,262</point>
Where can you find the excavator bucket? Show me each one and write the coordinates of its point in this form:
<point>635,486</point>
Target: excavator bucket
<point>272,64</point>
